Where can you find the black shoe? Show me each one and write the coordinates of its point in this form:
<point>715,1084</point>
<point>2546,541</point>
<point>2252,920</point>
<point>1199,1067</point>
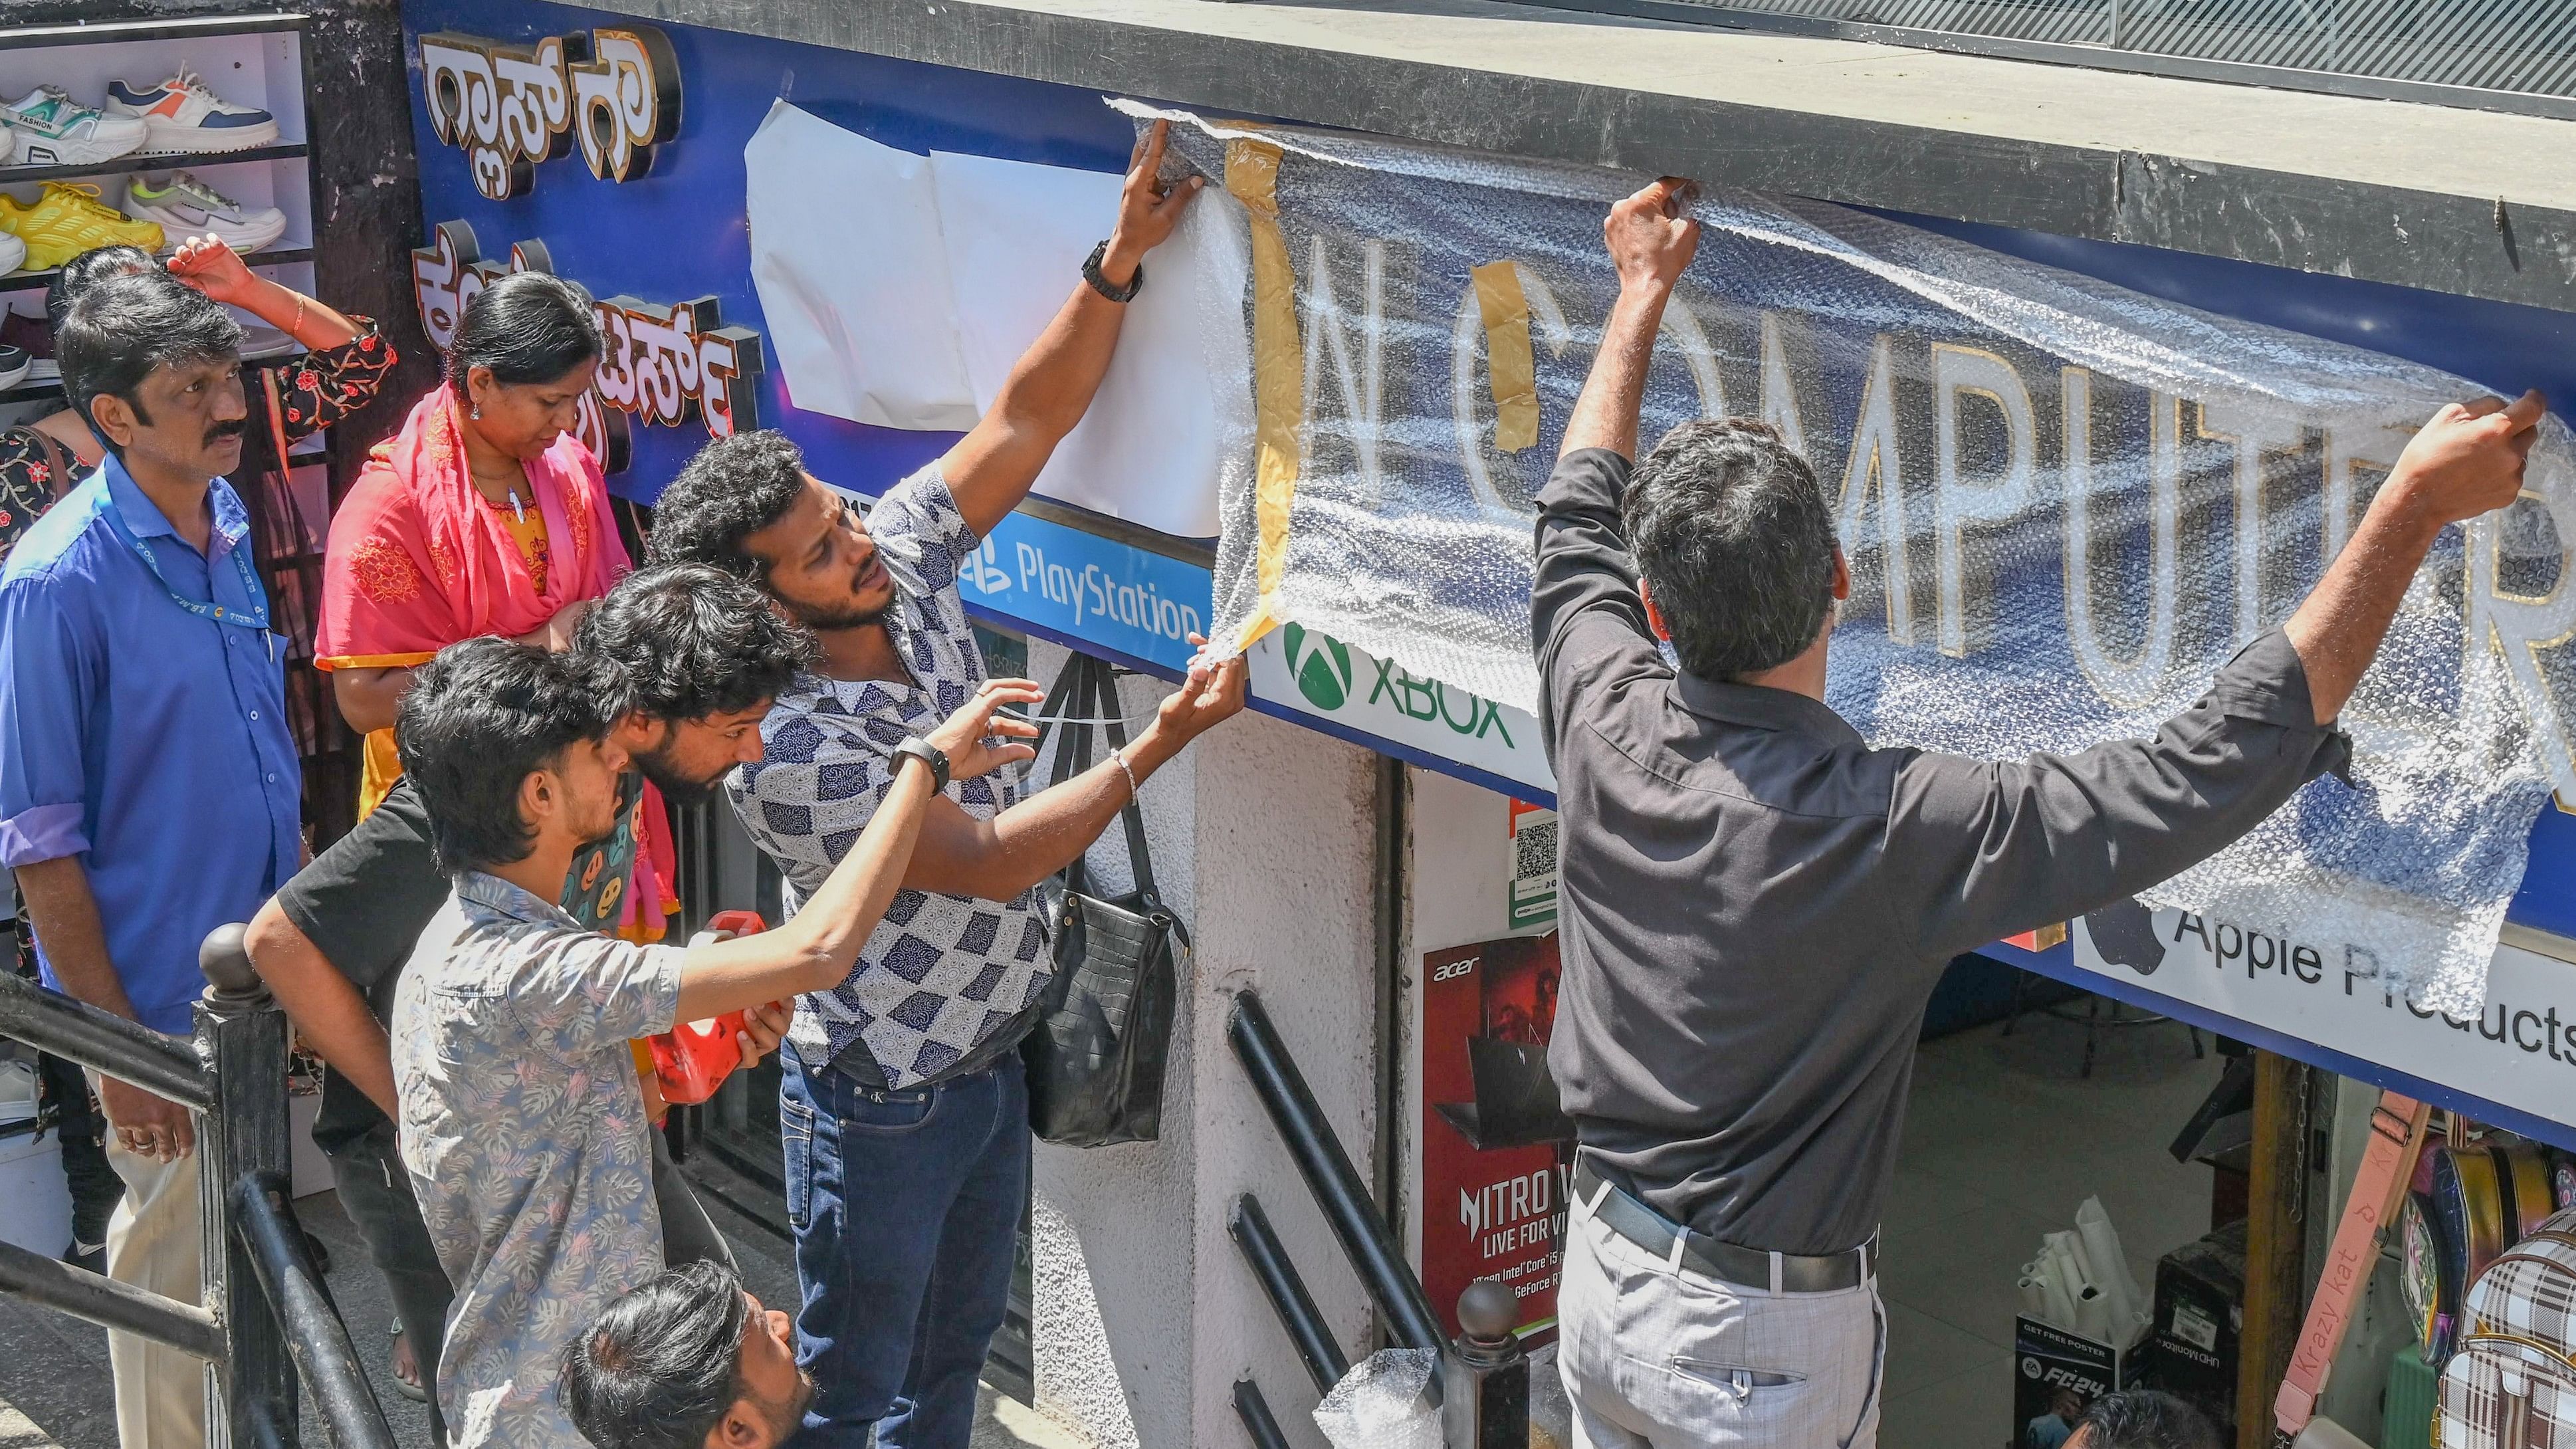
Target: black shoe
<point>91,1257</point>
<point>14,364</point>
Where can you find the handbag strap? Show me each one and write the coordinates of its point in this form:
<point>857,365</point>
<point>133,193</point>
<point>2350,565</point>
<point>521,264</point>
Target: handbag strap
<point>2397,1127</point>
<point>1068,703</point>
<point>1114,725</point>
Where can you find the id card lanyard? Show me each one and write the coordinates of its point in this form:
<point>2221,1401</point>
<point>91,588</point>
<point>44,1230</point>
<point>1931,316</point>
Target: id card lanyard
<point>254,617</point>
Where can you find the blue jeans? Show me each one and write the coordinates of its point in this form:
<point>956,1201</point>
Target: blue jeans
<point>906,1207</point>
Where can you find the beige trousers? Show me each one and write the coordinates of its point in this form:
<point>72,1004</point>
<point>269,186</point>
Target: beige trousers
<point>153,1243</point>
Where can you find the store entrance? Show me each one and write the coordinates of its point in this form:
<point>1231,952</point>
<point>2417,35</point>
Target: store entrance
<point>2027,1103</point>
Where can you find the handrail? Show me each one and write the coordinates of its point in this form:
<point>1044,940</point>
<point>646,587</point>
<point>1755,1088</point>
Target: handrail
<point>265,1313</point>
<point>1258,1422</point>
<point>315,1337</point>
<point>104,1042</point>
<point>110,1304</point>
<point>1269,1262</point>
<point>1329,1176</point>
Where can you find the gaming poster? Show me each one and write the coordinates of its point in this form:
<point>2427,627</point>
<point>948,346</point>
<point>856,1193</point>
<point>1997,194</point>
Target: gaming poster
<point>1496,1146</point>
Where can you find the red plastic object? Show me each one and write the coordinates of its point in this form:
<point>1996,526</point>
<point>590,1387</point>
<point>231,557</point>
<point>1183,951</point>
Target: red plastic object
<point>692,1059</point>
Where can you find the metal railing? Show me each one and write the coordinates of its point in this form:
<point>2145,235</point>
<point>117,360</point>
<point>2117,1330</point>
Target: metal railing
<point>2509,55</point>
<point>266,1314</point>
<point>1482,1389</point>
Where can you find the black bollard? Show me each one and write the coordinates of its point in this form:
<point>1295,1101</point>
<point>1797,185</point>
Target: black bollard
<point>1487,1372</point>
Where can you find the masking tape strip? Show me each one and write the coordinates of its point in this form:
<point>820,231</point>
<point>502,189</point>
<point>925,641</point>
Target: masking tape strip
<point>1278,372</point>
<point>1510,365</point>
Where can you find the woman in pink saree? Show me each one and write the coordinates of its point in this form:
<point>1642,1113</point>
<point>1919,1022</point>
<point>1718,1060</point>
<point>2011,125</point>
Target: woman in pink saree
<point>485,515</point>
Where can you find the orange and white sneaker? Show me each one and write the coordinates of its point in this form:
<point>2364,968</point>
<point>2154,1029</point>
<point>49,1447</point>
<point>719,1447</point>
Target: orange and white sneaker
<point>183,114</point>
<point>68,220</point>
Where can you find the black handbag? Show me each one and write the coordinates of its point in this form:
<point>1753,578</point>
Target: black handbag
<point>1104,1034</point>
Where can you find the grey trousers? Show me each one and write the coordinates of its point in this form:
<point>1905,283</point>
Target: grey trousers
<point>1659,1357</point>
<point>375,1191</point>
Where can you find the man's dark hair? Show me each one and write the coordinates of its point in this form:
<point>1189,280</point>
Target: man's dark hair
<point>1737,545</point>
<point>478,720</point>
<point>82,272</point>
<point>732,489</point>
<point>685,641</point>
<point>121,329</point>
<point>662,1363</point>
<point>2145,1419</point>
<point>526,327</point>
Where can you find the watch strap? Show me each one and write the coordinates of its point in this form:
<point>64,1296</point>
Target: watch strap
<point>929,754</point>
<point>1099,283</point>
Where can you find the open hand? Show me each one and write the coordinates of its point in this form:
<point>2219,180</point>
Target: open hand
<point>2468,460</point>
<point>147,1125</point>
<point>978,741</point>
<point>209,264</point>
<point>1651,236</point>
<point>1212,694</point>
<point>1147,210</point>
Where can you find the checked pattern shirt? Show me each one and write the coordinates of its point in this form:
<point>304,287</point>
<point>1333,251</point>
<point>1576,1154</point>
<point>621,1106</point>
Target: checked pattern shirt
<point>941,972</point>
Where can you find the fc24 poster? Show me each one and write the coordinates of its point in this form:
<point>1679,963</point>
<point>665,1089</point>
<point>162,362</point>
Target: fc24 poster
<point>1496,1146</point>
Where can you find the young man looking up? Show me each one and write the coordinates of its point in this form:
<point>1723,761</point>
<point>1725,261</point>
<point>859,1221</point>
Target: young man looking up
<point>685,660</point>
<point>1757,904</point>
<point>690,1360</point>
<point>149,790</point>
<point>904,1080</point>
<point>521,1118</point>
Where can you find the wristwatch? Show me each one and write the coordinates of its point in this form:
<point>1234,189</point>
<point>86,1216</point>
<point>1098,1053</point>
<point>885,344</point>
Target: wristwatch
<point>929,754</point>
<point>1100,284</point>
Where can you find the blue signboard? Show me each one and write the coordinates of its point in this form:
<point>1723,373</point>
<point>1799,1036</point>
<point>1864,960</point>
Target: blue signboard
<point>679,233</point>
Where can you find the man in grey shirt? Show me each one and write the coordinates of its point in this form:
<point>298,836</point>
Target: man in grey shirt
<point>1756,904</point>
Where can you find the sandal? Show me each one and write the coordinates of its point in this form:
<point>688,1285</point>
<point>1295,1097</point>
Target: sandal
<point>410,1388</point>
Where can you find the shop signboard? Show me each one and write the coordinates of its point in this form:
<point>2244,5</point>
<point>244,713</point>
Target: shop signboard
<point>1084,589</point>
<point>1315,678</point>
<point>1496,1147</point>
<point>2518,1055</point>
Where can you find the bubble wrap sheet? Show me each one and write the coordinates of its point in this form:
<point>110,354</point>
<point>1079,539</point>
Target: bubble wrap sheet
<point>1379,1404</point>
<point>2065,504</point>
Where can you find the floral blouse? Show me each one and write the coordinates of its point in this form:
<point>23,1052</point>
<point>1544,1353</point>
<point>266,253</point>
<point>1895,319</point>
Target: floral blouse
<point>314,391</point>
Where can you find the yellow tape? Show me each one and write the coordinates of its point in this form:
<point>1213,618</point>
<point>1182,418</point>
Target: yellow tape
<point>1278,371</point>
<point>1509,364</point>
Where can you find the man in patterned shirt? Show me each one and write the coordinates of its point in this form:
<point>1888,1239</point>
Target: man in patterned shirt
<point>903,1107</point>
<point>522,1122</point>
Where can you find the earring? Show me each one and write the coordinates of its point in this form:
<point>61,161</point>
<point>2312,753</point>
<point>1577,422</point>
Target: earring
<point>477,413</point>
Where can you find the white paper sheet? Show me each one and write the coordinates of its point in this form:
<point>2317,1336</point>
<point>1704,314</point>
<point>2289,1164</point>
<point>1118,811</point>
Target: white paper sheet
<point>847,256</point>
<point>901,290</point>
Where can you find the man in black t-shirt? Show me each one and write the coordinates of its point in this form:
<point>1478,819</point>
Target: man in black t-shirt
<point>687,659</point>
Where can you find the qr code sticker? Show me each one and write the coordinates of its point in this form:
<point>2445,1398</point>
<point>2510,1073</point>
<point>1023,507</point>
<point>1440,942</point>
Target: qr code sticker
<point>1534,836</point>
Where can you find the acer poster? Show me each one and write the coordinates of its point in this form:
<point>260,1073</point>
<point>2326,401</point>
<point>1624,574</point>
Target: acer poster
<point>1496,1146</point>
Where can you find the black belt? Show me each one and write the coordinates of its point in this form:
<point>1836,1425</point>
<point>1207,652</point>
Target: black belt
<point>1650,1230</point>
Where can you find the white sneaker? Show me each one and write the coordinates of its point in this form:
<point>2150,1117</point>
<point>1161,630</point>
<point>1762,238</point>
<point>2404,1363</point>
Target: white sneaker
<point>183,114</point>
<point>13,252</point>
<point>49,128</point>
<point>185,206</point>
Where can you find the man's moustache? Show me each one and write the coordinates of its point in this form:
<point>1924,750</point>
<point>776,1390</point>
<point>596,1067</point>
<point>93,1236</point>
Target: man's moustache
<point>221,431</point>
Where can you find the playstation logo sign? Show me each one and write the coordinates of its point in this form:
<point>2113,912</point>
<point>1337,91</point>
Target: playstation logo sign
<point>983,574</point>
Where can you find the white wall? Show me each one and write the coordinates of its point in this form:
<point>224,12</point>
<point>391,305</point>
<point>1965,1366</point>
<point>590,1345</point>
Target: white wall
<point>1263,837</point>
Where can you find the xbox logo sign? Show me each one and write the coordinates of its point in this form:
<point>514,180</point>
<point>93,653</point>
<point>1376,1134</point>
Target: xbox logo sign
<point>1323,675</point>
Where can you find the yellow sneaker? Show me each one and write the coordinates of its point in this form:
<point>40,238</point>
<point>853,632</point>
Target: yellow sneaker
<point>68,220</point>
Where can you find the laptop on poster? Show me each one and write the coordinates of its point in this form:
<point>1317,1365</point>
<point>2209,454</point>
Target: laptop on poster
<point>1516,1102</point>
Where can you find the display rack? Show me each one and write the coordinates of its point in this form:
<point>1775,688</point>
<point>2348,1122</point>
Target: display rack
<point>264,60</point>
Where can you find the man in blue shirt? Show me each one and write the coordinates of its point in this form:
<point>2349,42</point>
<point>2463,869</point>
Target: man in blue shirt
<point>148,782</point>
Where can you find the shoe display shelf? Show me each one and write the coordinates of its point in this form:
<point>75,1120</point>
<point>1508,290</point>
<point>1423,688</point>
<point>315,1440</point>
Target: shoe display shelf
<point>259,60</point>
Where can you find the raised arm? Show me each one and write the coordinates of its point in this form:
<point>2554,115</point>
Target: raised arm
<point>1585,573</point>
<point>210,265</point>
<point>815,950</point>
<point>991,469</point>
<point>2467,461</point>
<point>2004,847</point>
